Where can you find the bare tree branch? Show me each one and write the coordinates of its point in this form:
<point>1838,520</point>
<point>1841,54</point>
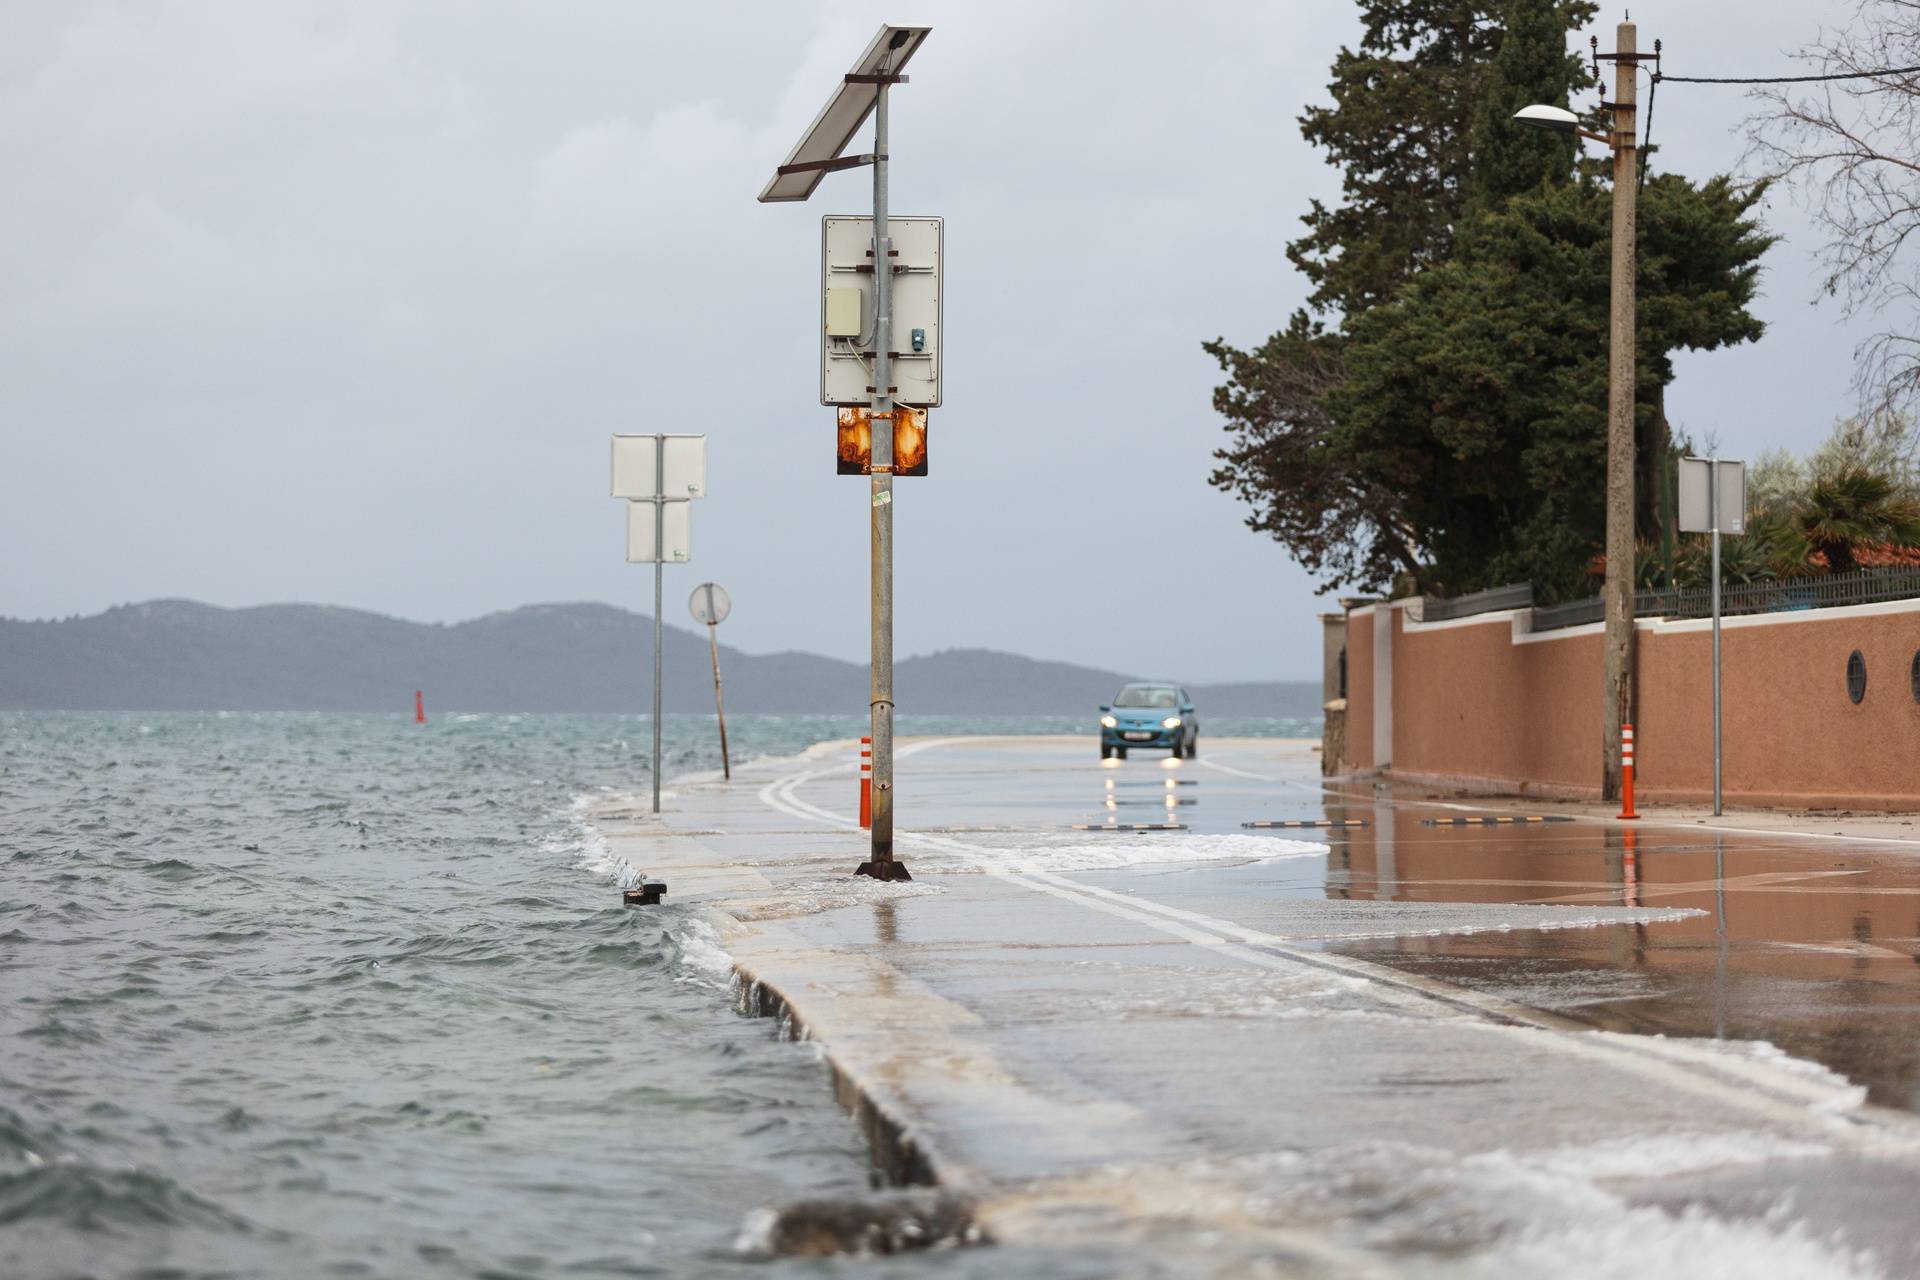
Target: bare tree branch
<point>1850,151</point>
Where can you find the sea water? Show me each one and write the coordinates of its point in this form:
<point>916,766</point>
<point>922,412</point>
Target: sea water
<point>343,995</point>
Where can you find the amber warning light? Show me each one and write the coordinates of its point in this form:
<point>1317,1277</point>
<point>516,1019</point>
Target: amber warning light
<point>854,452</point>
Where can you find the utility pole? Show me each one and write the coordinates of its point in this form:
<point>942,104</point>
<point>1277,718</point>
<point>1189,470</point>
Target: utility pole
<point>819,151</point>
<point>1622,350</point>
<point>881,865</point>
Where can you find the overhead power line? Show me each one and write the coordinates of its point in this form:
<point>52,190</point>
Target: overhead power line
<point>1844,75</point>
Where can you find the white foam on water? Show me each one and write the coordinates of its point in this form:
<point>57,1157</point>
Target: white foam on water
<point>1825,1091</point>
<point>756,1233</point>
<point>1642,1242</point>
<point>1670,1154</point>
<point>698,953</point>
<point>588,848</point>
<point>1501,1213</point>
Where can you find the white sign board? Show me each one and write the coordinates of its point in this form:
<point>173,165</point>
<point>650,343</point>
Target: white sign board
<point>677,520</point>
<point>1695,517</point>
<point>633,467</point>
<point>847,309</point>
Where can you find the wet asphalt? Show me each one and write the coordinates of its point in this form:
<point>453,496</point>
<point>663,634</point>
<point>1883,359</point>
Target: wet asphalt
<point>1108,1006</point>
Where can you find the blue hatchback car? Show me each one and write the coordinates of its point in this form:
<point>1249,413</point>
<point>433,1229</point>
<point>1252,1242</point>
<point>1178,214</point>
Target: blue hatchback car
<point>1150,715</point>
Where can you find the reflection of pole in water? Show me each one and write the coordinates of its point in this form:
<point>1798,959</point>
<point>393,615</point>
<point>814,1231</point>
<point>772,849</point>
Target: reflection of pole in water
<point>1614,857</point>
<point>1720,936</point>
<point>1630,867</point>
<point>1384,872</point>
<point>1339,850</point>
<point>886,926</point>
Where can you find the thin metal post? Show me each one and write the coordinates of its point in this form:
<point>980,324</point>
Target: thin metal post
<point>1618,672</point>
<point>719,706</point>
<point>659,551</point>
<point>1713,507</point>
<point>881,865</point>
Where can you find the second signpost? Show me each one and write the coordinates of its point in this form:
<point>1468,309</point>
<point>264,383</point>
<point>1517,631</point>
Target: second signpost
<point>659,476</point>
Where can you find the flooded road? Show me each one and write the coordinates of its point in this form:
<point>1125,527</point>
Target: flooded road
<point>1809,943</point>
<point>1207,1007</point>
<point>1812,946</point>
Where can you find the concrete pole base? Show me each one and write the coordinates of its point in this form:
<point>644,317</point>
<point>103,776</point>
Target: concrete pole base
<point>888,870</point>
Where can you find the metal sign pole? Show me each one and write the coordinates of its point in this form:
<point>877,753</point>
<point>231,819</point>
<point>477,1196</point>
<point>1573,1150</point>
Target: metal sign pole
<point>882,865</point>
<point>719,706</point>
<point>1713,506</point>
<point>659,554</point>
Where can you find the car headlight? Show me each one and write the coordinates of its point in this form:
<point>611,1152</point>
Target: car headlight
<point>1108,721</point>
<point>1171,722</point>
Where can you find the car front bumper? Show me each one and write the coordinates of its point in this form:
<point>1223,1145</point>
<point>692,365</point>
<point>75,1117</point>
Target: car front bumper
<point>1155,737</point>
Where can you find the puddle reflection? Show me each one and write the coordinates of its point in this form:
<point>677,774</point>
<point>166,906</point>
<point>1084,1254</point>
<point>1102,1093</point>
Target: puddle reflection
<point>1812,948</point>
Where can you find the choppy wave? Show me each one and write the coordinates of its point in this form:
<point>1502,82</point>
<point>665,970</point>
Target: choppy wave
<point>302,993</point>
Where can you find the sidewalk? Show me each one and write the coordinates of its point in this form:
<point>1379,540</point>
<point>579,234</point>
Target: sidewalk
<point>1139,1047</point>
<point>1888,828</point>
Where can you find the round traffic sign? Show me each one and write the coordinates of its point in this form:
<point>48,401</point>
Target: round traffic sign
<point>710,603</point>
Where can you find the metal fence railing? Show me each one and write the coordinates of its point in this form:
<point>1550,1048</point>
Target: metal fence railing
<point>1515,595</point>
<point>1781,595</point>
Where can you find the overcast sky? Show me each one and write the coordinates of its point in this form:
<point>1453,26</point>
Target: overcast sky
<point>339,302</point>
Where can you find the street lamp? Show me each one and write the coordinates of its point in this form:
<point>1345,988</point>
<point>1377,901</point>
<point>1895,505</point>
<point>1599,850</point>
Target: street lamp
<point>1618,590</point>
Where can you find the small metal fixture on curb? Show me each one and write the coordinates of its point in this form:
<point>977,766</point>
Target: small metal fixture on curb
<point>1491,822</point>
<point>1293,824</point>
<point>645,894</point>
<point>863,92</point>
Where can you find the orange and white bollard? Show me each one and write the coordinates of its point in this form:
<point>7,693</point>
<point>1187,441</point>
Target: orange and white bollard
<point>866,782</point>
<point>1626,772</point>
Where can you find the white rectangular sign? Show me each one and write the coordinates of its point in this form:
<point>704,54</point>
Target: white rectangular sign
<point>1694,514</point>
<point>847,303</point>
<point>677,519</point>
<point>633,467</point>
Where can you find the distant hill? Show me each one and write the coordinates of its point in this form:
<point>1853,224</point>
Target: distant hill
<point>180,655</point>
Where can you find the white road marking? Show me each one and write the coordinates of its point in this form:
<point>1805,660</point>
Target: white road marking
<point>1791,1097</point>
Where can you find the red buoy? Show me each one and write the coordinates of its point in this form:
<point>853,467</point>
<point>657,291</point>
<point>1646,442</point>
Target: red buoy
<point>419,707</point>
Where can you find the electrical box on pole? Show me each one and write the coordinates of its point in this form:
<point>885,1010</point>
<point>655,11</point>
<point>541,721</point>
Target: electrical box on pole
<point>847,309</point>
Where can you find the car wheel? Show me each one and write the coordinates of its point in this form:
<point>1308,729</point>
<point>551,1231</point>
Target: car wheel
<point>1105,751</point>
<point>1121,752</point>
<point>1193,746</point>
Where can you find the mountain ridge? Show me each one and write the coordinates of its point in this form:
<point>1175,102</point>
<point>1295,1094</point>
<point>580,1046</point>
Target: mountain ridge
<point>177,654</point>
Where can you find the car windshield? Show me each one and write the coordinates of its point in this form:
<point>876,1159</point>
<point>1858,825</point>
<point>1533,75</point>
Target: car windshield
<point>1147,695</point>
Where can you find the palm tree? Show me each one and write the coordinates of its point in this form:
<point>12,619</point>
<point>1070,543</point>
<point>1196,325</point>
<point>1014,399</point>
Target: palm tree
<point>1849,509</point>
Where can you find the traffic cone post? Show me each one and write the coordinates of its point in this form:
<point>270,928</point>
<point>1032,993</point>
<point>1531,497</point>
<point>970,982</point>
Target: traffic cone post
<point>1626,772</point>
<point>866,782</point>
